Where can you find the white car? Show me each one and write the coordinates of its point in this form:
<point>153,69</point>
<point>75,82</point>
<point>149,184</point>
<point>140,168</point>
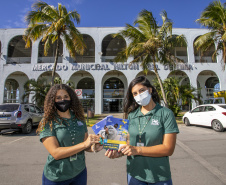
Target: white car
<point>211,115</point>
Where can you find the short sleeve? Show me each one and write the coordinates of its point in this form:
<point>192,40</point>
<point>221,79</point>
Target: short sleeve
<point>170,124</point>
<point>47,131</point>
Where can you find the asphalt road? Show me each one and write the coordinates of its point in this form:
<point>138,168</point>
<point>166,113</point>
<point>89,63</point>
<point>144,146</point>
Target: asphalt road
<point>199,159</point>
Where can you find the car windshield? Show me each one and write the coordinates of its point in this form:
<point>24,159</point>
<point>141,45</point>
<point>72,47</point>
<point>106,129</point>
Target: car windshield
<point>8,108</point>
<point>209,101</point>
<point>222,106</point>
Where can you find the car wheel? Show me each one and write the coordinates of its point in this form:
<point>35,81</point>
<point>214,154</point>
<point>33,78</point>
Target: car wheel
<point>217,126</point>
<point>27,128</point>
<point>187,122</point>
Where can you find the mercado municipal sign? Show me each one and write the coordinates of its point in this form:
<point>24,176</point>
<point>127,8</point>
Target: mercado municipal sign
<point>116,66</point>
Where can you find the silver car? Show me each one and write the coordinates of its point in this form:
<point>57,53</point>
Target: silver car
<point>19,116</point>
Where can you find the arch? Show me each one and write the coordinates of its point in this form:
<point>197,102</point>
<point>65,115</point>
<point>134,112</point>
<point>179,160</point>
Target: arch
<point>78,75</point>
<point>50,57</point>
<point>48,76</point>
<point>14,87</point>
<point>87,86</point>
<point>206,56</point>
<point>114,90</point>
<point>111,46</point>
<point>179,50</point>
<point>150,76</point>
<point>212,82</point>
<point>17,53</point>
<point>184,79</point>
<point>209,78</point>
<point>89,53</point>
<point>85,89</point>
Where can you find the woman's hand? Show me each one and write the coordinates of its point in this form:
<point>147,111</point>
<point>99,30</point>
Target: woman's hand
<point>112,154</point>
<point>97,147</point>
<point>91,139</point>
<point>130,150</point>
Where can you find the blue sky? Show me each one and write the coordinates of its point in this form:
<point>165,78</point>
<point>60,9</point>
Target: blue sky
<point>106,13</point>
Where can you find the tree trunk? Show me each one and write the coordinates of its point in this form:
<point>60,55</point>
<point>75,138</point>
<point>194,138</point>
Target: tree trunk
<point>55,62</point>
<point>160,83</point>
<point>224,54</point>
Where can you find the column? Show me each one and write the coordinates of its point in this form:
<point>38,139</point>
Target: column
<point>98,95</point>
<point>190,49</point>
<point>34,52</point>
<point>193,84</point>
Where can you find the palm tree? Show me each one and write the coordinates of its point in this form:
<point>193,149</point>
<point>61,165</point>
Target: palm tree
<point>38,89</point>
<point>177,94</point>
<point>51,23</point>
<point>150,43</point>
<point>214,18</point>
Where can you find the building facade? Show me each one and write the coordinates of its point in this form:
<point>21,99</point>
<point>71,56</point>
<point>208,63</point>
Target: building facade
<point>99,82</point>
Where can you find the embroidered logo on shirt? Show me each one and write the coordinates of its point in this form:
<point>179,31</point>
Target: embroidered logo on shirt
<point>79,123</point>
<point>154,122</point>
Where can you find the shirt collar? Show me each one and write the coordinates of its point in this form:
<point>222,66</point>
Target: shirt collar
<point>58,117</point>
<point>138,112</point>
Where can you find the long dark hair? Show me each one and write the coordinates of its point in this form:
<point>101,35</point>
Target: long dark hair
<point>129,103</point>
<point>50,109</point>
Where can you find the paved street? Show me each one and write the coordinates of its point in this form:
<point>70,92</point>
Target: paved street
<point>199,158</point>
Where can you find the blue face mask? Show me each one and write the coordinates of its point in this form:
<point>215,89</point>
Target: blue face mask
<point>143,99</point>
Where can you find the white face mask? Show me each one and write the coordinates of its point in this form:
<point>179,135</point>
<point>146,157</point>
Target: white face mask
<point>143,99</point>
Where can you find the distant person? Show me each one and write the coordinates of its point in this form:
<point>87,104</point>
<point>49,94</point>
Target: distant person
<point>152,136</point>
<point>63,132</point>
<point>116,125</point>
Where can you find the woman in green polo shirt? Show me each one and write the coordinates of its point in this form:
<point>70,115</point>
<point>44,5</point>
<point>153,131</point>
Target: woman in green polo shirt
<point>63,132</point>
<point>152,136</point>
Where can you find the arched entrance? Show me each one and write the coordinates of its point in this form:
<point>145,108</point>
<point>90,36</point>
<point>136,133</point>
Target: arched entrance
<point>86,87</point>
<point>208,82</point>
<point>113,95</point>
<point>11,91</point>
<point>14,88</point>
<point>150,76</point>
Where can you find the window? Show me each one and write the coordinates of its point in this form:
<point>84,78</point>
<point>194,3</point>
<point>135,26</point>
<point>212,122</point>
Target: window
<point>8,108</point>
<point>198,109</point>
<point>32,109</point>
<point>26,108</point>
<point>38,110</point>
<point>209,108</point>
<point>222,106</point>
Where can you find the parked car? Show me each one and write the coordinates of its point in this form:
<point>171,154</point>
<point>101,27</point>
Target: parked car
<point>219,100</point>
<point>211,115</point>
<point>19,116</point>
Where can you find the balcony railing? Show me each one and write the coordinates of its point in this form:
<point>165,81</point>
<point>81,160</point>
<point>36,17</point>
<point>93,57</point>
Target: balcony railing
<point>107,58</point>
<point>209,92</point>
<point>18,60</point>
<point>184,58</point>
<point>82,59</point>
<point>199,59</point>
<point>49,59</point>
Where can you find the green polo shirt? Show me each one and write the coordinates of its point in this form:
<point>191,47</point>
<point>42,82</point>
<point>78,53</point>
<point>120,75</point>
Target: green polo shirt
<point>162,121</point>
<point>68,133</point>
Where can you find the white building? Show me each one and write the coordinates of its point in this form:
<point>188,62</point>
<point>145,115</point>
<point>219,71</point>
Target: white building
<point>103,82</point>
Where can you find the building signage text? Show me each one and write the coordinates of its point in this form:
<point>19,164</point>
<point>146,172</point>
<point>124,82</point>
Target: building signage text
<point>116,66</point>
